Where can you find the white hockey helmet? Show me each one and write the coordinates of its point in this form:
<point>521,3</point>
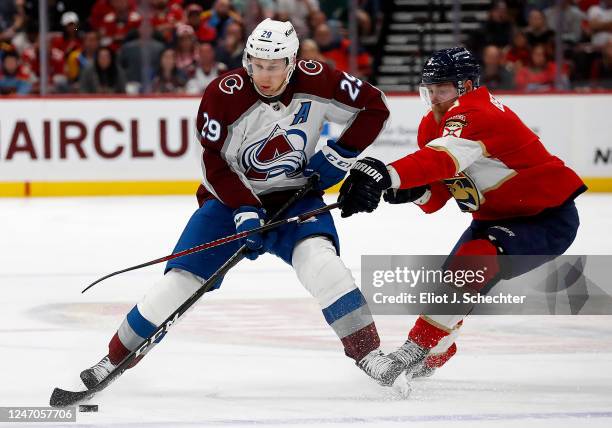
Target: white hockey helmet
<point>272,40</point>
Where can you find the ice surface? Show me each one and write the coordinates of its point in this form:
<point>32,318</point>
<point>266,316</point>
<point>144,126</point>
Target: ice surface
<point>258,351</point>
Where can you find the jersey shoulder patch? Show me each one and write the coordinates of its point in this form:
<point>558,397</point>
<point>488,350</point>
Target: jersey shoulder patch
<point>453,126</point>
<point>310,67</point>
<point>231,83</point>
<point>228,96</point>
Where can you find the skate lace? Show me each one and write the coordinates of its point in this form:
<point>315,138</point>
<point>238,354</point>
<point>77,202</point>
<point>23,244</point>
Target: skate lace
<point>410,354</point>
<point>377,365</point>
<point>102,369</point>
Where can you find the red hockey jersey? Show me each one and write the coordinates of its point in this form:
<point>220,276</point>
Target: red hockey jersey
<point>485,157</point>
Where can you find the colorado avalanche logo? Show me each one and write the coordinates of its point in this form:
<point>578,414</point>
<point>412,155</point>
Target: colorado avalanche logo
<point>231,83</point>
<point>310,67</point>
<point>282,152</point>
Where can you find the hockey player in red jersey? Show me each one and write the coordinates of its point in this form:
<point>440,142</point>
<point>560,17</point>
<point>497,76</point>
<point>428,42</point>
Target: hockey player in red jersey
<point>476,150</point>
<point>258,126</point>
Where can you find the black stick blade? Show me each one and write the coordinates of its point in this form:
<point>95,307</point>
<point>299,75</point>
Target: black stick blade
<point>63,398</point>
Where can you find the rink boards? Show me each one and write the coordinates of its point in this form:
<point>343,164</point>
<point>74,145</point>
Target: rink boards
<point>147,145</point>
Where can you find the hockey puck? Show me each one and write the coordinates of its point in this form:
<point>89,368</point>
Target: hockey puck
<point>88,407</point>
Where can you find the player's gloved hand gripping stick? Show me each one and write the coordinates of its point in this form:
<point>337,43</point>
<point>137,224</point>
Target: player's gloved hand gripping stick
<point>63,398</point>
<point>272,224</point>
<point>247,218</point>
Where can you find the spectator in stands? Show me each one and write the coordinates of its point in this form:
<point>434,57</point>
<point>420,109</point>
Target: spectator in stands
<point>70,39</point>
<point>78,60</point>
<point>26,37</point>
<point>253,11</point>
<point>499,27</point>
<point>315,19</point>
<point>540,74</point>
<point>165,16</point>
<point>600,23</point>
<point>336,51</point>
<point>494,74</point>
<point>571,24</point>
<point>11,82</point>
<point>265,7</point>
<point>208,69</point>
<point>537,31</point>
<point>30,63</point>
<point>139,59</point>
<point>103,76</point>
<point>169,79</point>
<point>203,31</point>
<point>297,11</point>
<point>373,9</point>
<point>229,51</point>
<point>221,16</point>
<point>118,23</point>
<point>11,19</point>
<point>100,9</point>
<point>339,17</point>
<point>601,71</point>
<point>330,46</point>
<point>310,51</point>
<point>186,57</point>
<point>519,51</point>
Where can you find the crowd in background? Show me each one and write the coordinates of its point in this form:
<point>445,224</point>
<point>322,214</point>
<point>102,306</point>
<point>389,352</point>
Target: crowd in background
<point>517,45</point>
<point>160,46</point>
<point>179,46</point>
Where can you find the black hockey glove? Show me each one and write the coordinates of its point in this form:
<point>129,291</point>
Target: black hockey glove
<point>362,190</point>
<point>402,196</point>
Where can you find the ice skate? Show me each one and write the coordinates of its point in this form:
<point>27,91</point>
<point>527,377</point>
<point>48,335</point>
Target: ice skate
<point>97,373</point>
<point>384,370</point>
<point>422,370</point>
<point>412,358</point>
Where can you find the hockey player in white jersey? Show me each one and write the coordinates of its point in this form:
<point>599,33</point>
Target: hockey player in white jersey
<point>258,127</point>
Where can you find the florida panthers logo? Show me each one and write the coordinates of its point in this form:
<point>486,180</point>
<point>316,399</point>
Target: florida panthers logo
<point>464,191</point>
<point>282,152</point>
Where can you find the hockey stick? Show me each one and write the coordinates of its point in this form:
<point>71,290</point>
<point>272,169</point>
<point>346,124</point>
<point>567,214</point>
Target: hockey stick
<point>269,226</point>
<point>63,398</point>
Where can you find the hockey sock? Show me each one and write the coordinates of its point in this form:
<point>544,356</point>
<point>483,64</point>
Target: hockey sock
<point>325,276</point>
<point>429,330</point>
<point>159,302</point>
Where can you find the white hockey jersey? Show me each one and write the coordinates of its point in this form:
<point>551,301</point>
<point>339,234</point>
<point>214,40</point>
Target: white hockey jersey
<point>253,148</point>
